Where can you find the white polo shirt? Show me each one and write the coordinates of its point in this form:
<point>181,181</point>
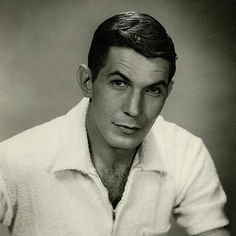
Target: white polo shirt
<point>49,186</point>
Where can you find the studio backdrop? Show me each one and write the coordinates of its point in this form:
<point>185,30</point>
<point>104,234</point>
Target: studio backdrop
<point>43,42</point>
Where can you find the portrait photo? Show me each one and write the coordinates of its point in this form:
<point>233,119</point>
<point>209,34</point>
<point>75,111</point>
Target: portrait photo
<point>117,117</point>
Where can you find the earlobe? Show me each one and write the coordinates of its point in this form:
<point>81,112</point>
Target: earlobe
<point>84,78</point>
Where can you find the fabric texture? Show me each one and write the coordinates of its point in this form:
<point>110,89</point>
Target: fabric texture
<point>49,186</point>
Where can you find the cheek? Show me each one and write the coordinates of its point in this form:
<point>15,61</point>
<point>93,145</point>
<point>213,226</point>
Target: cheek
<point>103,107</point>
<point>106,100</point>
<point>152,110</point>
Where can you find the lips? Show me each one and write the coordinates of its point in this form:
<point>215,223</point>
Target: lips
<point>127,128</point>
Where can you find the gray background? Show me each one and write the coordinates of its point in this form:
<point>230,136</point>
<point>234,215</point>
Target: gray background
<point>42,43</point>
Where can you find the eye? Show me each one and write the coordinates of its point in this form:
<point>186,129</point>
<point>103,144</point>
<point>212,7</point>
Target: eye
<point>119,83</point>
<point>154,90</point>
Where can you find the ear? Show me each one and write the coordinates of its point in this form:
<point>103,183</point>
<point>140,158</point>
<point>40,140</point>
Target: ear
<point>170,86</point>
<point>84,77</point>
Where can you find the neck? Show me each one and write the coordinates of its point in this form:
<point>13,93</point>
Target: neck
<point>109,157</point>
<point>101,152</point>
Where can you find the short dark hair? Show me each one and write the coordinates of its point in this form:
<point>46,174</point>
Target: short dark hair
<point>135,30</point>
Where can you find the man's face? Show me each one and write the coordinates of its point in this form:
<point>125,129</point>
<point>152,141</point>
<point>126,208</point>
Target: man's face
<point>127,96</point>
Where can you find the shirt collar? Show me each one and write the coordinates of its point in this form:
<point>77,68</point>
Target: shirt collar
<point>73,148</point>
<point>150,154</point>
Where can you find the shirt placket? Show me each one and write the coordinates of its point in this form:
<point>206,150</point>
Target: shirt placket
<point>113,214</point>
<point>103,197</point>
<point>120,208</point>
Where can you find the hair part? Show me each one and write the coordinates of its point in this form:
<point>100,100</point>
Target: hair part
<point>138,31</point>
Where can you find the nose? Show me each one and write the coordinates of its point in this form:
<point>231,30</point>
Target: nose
<point>133,103</point>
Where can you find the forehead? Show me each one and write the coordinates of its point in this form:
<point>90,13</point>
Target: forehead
<point>135,66</point>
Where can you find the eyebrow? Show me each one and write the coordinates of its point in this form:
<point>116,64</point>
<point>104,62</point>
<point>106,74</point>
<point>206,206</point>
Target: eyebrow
<point>120,74</point>
<point>161,82</point>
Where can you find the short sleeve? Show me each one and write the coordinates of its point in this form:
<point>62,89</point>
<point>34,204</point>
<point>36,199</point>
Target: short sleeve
<point>201,199</point>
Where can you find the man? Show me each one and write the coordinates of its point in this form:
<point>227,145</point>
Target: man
<point>112,165</point>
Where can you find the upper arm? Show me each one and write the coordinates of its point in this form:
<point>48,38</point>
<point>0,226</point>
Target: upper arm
<point>200,201</point>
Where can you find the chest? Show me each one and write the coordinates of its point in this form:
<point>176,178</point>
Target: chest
<point>146,206</point>
<point>114,179</point>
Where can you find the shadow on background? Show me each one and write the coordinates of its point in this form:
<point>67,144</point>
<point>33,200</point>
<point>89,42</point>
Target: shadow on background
<point>42,42</point>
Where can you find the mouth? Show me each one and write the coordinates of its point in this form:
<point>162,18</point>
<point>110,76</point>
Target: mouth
<point>128,129</point>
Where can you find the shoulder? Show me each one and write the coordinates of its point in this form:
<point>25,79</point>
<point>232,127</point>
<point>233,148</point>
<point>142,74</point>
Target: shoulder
<point>37,135</point>
<point>37,148</point>
<point>34,145</point>
<point>192,170</point>
<point>174,137</point>
<point>183,152</point>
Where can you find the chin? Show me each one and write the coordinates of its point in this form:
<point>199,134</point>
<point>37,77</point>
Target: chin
<point>124,143</point>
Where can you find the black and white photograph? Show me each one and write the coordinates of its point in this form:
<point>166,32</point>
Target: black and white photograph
<point>117,118</point>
